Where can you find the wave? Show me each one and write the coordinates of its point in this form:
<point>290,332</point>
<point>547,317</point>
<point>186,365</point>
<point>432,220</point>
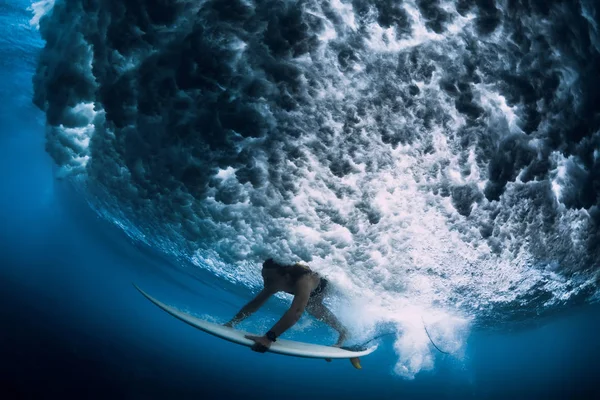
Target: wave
<point>438,160</point>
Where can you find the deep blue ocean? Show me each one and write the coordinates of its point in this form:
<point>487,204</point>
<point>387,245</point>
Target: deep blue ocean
<point>437,160</point>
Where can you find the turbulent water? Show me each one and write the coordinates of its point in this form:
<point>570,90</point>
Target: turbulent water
<point>438,160</point>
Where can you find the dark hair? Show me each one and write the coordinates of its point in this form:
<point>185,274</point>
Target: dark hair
<point>269,263</point>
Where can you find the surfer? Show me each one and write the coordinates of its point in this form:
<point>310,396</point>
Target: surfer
<point>308,289</point>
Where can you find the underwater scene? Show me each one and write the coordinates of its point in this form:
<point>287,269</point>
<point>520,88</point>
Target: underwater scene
<point>425,174</point>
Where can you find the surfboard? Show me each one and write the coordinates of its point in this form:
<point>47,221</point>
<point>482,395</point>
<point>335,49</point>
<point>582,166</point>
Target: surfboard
<point>281,346</point>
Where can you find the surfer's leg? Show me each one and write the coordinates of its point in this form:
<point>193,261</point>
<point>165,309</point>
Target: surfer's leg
<point>317,309</point>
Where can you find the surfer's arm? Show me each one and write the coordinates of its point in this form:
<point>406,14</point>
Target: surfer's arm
<point>296,310</point>
<point>251,307</point>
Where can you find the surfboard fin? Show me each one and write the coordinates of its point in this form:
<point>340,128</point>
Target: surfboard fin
<point>356,362</point>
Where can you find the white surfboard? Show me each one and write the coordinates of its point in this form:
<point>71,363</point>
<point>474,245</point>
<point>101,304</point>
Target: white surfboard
<point>281,346</point>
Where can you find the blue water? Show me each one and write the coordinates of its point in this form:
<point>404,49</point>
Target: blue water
<point>73,325</point>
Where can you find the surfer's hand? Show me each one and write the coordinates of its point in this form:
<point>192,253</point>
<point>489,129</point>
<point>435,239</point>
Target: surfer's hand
<point>229,324</point>
<point>261,343</point>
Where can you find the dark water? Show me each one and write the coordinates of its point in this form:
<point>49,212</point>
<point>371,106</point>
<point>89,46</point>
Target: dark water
<point>445,173</point>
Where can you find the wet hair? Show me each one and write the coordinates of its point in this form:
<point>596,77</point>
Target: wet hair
<point>269,263</point>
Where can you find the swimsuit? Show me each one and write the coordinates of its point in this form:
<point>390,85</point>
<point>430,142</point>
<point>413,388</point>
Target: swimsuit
<point>320,288</point>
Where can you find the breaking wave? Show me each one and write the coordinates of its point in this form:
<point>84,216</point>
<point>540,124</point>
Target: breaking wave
<point>438,160</point>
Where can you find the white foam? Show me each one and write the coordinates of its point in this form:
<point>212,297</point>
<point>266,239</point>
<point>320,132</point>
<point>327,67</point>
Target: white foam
<point>226,173</point>
<point>496,104</point>
<point>385,39</point>
<point>346,11</point>
<point>39,9</point>
<point>558,174</point>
